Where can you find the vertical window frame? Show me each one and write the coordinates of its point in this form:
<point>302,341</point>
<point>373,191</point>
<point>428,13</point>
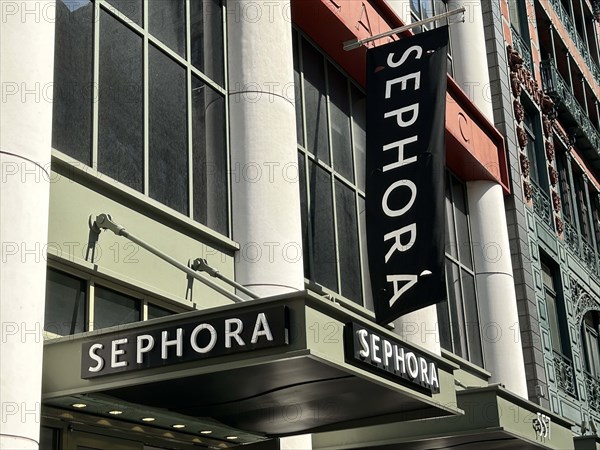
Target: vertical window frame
<point>308,157</point>
<point>460,333</point>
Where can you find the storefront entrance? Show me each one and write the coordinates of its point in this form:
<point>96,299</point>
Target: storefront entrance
<point>88,441</point>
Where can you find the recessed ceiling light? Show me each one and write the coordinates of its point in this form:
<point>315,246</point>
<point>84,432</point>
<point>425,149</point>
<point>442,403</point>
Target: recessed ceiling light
<point>178,425</point>
<point>115,412</point>
<point>231,437</point>
<point>148,419</point>
<point>206,432</point>
<point>79,405</point>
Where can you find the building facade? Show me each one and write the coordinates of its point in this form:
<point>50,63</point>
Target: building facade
<point>553,86</point>
<point>141,137</point>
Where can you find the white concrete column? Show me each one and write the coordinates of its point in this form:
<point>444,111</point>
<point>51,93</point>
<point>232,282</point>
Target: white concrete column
<point>470,56</point>
<point>497,301</point>
<point>264,162</point>
<point>26,76</point>
<point>420,328</point>
<point>402,9</point>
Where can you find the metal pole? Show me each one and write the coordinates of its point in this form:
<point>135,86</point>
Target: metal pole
<point>105,222</point>
<point>202,266</point>
<point>356,43</point>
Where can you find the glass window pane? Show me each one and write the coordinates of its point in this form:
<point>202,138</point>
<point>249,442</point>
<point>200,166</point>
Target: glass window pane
<point>209,157</point>
<point>451,247</point>
<point>348,242</point>
<point>591,343</point>
<point>166,21</point>
<point>456,308</point>
<point>304,215</point>
<point>472,331</point>
<point>316,102</point>
<point>444,324</point>
<point>206,27</point>
<point>415,7</point>
<point>321,220</point>
<point>154,312</point>
<point>340,122</point>
<point>547,277</point>
<point>359,123</point>
<point>298,91</point>
<point>113,308</point>
<point>65,304</point>
<point>73,79</point>
<point>132,9</point>
<point>368,303</point>
<point>168,153</point>
<point>462,224</point>
<point>426,9</point>
<point>553,322</point>
<point>121,107</point>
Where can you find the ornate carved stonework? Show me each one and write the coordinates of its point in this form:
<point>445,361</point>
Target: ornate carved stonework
<point>560,226</point>
<point>519,111</point>
<point>522,137</point>
<point>553,174</point>
<point>584,302</point>
<point>547,104</point>
<point>527,190</point>
<point>556,201</point>
<point>515,84</point>
<point>525,165</point>
<point>547,125</point>
<point>514,59</point>
<point>550,152</point>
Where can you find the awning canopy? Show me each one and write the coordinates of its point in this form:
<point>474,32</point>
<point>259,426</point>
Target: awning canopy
<point>494,419</point>
<point>299,370</point>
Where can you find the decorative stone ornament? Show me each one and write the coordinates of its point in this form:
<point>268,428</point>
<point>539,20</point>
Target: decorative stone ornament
<point>560,226</point>
<point>515,60</point>
<point>550,151</point>
<point>556,203</point>
<point>519,111</point>
<point>547,122</point>
<point>522,137</point>
<point>547,104</point>
<point>525,165</point>
<point>553,175</point>
<point>515,84</point>
<point>527,190</point>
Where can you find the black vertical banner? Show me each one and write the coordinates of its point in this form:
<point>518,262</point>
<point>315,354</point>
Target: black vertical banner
<point>406,115</point>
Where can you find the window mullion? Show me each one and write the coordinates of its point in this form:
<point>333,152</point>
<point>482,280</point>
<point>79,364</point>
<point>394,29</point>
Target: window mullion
<point>227,137</point>
<point>190,147</point>
<point>96,86</point>
<point>146,76</point>
<point>332,177</point>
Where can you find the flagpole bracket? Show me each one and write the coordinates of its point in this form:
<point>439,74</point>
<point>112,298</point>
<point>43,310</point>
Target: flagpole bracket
<point>353,44</point>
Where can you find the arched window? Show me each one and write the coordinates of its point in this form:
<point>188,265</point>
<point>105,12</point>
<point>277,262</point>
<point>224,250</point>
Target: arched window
<point>591,342</point>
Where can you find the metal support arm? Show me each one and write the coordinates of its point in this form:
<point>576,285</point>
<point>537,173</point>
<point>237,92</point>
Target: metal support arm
<point>201,265</point>
<point>105,222</point>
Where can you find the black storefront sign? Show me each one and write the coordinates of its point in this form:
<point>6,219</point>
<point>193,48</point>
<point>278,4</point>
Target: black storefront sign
<point>184,341</point>
<point>389,357</point>
<point>406,109</point>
